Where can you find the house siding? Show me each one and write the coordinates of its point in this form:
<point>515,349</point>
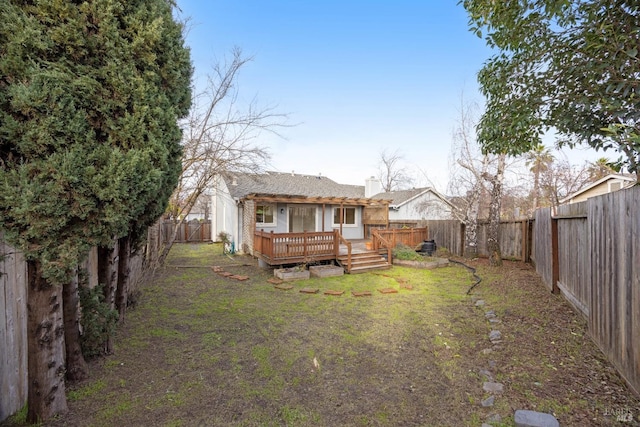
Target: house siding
<point>348,232</point>
<point>282,224</point>
<point>224,211</point>
<point>603,188</point>
<point>425,207</point>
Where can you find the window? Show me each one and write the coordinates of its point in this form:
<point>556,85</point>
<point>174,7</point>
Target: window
<point>265,215</point>
<point>348,216</point>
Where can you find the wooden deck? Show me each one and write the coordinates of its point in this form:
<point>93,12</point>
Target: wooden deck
<point>295,248</point>
<point>311,247</point>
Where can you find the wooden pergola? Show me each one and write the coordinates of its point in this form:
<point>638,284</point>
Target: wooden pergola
<point>379,206</point>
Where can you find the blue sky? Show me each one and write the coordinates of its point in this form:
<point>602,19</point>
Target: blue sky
<point>355,77</point>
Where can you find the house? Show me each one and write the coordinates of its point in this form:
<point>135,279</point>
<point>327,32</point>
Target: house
<point>608,184</point>
<point>244,204</point>
<point>411,206</point>
<point>201,209</point>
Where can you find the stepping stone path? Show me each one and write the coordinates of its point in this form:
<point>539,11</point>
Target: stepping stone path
<point>219,270</point>
<point>283,287</point>
<point>336,293</point>
<point>309,290</point>
<point>489,386</point>
<point>522,418</point>
<point>388,291</point>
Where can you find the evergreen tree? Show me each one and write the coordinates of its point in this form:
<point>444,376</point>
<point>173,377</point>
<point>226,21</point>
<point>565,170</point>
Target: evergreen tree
<point>90,95</point>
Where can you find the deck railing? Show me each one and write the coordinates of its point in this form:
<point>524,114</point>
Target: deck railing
<point>349,248</point>
<point>291,248</point>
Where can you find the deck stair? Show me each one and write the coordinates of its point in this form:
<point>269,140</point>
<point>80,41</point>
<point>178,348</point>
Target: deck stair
<point>362,262</point>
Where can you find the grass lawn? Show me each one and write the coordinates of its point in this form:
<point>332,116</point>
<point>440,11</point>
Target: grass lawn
<point>200,349</point>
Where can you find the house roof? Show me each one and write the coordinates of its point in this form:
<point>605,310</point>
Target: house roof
<point>402,197</point>
<point>631,179</point>
<point>292,187</point>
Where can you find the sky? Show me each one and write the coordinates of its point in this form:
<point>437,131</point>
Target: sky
<point>355,78</point>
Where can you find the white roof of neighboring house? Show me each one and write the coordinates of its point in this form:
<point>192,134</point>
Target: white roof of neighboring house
<point>402,197</point>
<point>631,180</point>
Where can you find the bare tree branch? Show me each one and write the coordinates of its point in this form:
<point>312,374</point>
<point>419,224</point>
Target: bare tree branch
<point>219,136</point>
<point>391,173</point>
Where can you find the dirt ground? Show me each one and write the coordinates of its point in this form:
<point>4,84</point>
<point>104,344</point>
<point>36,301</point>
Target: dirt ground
<point>202,349</point>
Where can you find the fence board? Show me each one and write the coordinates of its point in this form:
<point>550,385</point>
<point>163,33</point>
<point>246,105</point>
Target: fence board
<point>13,330</point>
<point>573,255</point>
<point>542,255</point>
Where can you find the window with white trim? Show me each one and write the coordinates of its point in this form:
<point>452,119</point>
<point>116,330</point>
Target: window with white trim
<point>348,216</point>
<point>266,215</point>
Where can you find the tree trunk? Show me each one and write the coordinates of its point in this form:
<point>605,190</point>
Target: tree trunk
<point>124,268</point>
<point>153,237</point>
<point>471,238</point>
<point>183,215</point>
<point>471,223</point>
<point>77,369</point>
<point>536,190</point>
<point>108,276</point>
<point>493,232</point>
<point>170,241</point>
<point>46,364</point>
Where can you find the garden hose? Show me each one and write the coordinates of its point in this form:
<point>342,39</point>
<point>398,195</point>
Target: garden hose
<point>477,278</point>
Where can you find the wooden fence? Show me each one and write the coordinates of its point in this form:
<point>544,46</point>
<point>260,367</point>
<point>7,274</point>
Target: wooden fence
<point>189,231</point>
<point>515,241</point>
<point>13,330</point>
<point>590,252</point>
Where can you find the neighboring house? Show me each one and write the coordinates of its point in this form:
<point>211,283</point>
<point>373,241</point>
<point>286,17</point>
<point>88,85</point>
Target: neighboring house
<point>608,184</point>
<point>409,206</point>
<point>291,203</point>
<point>201,209</point>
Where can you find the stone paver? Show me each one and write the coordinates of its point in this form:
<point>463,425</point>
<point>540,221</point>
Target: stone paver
<point>526,418</point>
<point>490,387</point>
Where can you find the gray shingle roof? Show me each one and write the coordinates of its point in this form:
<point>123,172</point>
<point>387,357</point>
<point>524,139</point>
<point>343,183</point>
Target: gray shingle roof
<point>289,184</point>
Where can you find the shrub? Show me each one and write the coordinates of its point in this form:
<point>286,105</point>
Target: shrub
<point>98,321</point>
<point>406,253</point>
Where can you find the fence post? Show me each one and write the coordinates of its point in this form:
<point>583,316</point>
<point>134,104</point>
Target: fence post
<point>524,241</point>
<point>555,265</point>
